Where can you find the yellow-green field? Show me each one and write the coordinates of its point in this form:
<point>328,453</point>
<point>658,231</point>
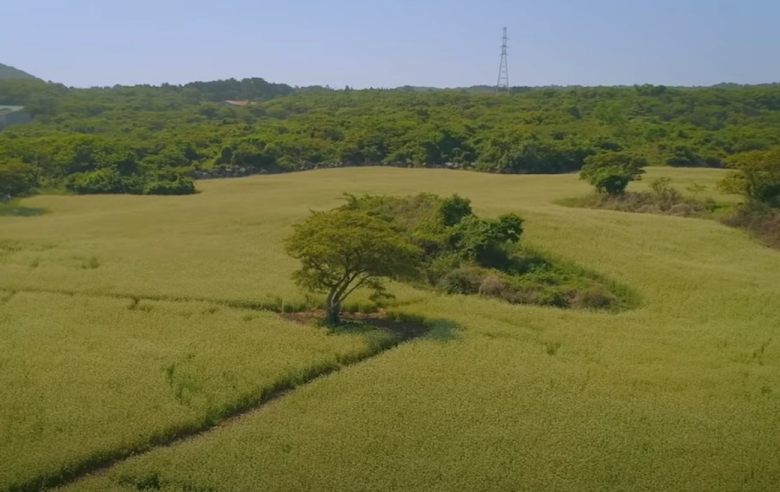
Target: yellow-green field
<point>84,378</point>
<point>682,393</point>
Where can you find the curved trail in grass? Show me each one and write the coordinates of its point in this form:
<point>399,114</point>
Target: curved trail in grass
<point>274,306</point>
<point>403,331</point>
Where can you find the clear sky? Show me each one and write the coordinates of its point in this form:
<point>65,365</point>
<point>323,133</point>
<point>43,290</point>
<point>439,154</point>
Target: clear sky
<point>363,43</point>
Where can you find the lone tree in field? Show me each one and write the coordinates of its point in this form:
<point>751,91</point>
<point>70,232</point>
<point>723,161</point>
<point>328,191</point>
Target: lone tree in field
<point>343,250</point>
<point>610,172</point>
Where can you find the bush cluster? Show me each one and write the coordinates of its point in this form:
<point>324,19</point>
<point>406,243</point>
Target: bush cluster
<point>16,179</point>
<point>469,255</point>
<point>611,172</point>
<point>107,180</point>
<point>663,198</point>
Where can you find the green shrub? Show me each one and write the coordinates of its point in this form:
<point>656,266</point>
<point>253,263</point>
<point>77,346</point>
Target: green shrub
<point>662,199</point>
<point>446,230</point>
<point>466,254</point>
<point>756,177</point>
<point>439,266</point>
<point>109,180</point>
<point>596,297</point>
<point>686,156</point>
<point>180,185</point>
<point>17,178</point>
<point>611,172</point>
<point>454,209</point>
<point>535,294</point>
<point>102,181</point>
<point>462,281</point>
<point>530,155</point>
<point>493,286</point>
<point>484,241</point>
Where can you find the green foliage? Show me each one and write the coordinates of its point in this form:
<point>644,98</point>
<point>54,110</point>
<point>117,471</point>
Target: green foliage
<point>532,155</point>
<point>466,254</point>
<point>688,156</point>
<point>611,172</point>
<point>161,184</point>
<point>666,195</point>
<point>756,177</point>
<point>186,129</point>
<point>343,250</point>
<point>662,186</point>
<point>454,209</point>
<point>696,189</point>
<point>104,180</point>
<point>109,180</point>
<point>546,284</point>
<point>484,241</point>
<point>663,198</point>
<point>445,230</point>
<point>17,178</point>
<point>462,281</point>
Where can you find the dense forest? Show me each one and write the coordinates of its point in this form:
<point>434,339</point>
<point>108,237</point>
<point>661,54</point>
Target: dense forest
<point>154,139</point>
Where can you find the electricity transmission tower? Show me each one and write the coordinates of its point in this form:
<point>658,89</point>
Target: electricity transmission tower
<point>503,70</point>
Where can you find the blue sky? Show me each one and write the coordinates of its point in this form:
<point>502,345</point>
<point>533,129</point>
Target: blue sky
<point>392,43</point>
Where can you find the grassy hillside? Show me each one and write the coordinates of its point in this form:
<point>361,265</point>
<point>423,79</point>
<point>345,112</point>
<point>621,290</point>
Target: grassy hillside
<point>679,394</point>
<point>8,72</point>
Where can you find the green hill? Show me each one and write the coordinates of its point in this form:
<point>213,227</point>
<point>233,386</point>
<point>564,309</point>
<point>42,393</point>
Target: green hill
<point>8,72</point>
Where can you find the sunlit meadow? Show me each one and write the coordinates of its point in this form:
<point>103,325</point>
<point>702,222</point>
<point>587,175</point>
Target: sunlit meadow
<point>103,295</point>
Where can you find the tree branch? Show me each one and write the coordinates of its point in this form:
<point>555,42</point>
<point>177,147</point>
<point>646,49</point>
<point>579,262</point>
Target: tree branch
<point>346,294</point>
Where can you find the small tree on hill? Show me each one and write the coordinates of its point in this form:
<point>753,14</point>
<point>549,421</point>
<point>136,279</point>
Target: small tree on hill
<point>756,177</point>
<point>343,250</point>
<point>611,172</point>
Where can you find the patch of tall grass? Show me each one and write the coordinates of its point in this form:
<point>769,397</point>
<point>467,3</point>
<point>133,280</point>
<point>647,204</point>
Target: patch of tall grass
<point>86,380</point>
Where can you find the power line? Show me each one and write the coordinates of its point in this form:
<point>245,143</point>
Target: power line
<point>503,70</point>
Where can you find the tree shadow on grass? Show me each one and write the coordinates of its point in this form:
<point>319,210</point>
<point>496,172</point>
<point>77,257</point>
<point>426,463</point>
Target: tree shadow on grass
<point>20,211</point>
<point>443,330</point>
<point>402,326</point>
<point>406,327</point>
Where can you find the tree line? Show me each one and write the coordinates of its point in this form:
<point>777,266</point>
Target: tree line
<point>153,139</point>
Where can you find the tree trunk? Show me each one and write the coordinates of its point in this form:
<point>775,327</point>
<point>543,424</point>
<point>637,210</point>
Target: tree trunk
<point>332,309</point>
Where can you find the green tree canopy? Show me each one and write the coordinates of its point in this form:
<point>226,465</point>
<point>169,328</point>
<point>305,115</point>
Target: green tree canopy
<point>610,172</point>
<point>756,177</point>
<point>446,230</point>
<point>16,178</point>
<point>343,250</point>
<point>136,132</point>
